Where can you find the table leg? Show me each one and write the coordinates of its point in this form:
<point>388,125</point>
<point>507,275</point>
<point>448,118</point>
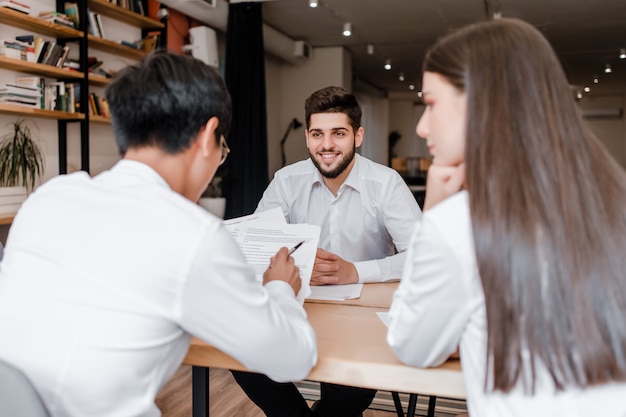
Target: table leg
<point>397,403</point>
<point>410,410</point>
<point>432,402</point>
<point>200,391</point>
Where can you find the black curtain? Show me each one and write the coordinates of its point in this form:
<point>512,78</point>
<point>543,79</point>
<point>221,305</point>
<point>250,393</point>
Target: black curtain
<point>246,168</point>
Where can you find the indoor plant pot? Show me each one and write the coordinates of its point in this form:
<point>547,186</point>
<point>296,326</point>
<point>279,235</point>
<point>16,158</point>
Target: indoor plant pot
<point>21,165</point>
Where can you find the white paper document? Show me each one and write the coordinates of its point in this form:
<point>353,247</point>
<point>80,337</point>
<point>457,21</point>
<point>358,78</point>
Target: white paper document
<point>335,292</point>
<point>384,317</point>
<point>260,238</point>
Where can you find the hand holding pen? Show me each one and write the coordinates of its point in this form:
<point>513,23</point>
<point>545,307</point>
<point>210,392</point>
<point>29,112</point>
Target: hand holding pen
<point>283,268</point>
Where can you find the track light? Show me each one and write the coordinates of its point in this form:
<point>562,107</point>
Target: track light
<point>622,53</point>
<point>607,69</point>
<point>579,95</point>
<point>387,64</point>
<point>401,76</point>
<point>370,49</point>
<point>411,86</point>
<point>347,29</point>
<point>596,80</point>
<point>587,89</point>
<point>313,4</point>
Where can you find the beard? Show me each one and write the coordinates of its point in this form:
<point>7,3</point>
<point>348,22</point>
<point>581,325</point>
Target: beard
<point>340,167</point>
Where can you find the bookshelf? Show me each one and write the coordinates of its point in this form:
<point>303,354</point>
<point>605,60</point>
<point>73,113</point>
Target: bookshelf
<point>84,78</point>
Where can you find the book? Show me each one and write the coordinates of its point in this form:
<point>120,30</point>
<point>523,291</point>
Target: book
<point>64,52</point>
<point>43,51</point>
<point>100,25</point>
<point>33,82</point>
<point>19,101</point>
<point>93,25</point>
<point>129,44</point>
<point>71,11</point>
<point>17,50</point>
<point>59,20</point>
<point>26,38</point>
<point>22,91</point>
<point>17,6</point>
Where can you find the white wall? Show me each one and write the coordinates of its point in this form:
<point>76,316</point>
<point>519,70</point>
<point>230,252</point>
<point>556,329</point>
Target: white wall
<point>375,122</point>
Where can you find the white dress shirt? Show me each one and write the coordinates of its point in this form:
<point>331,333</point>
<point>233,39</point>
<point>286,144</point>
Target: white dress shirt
<point>105,280</point>
<point>440,305</point>
<point>370,219</point>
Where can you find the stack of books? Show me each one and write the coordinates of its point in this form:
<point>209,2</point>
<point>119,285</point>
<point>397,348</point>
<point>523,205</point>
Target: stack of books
<point>18,49</point>
<point>20,95</point>
<point>57,18</point>
<point>14,5</point>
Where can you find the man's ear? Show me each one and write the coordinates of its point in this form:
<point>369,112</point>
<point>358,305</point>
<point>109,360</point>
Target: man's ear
<point>358,137</point>
<point>206,137</point>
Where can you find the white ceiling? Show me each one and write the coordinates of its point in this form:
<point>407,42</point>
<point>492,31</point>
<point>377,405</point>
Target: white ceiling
<point>585,33</point>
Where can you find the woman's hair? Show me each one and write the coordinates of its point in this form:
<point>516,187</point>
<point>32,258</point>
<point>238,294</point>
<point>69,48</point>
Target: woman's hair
<point>548,210</point>
<point>164,101</point>
<point>333,100</point>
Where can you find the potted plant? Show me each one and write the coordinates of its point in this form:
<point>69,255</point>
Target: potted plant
<point>21,165</point>
<point>21,160</point>
<point>212,199</point>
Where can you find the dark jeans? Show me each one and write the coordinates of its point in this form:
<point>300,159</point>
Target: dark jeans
<point>284,400</point>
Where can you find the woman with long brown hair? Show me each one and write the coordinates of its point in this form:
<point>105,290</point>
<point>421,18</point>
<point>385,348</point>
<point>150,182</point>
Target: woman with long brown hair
<point>520,259</point>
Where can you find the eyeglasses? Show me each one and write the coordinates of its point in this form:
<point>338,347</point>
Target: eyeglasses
<point>225,150</point>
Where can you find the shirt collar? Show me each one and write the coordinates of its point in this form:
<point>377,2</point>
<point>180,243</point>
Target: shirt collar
<point>140,171</point>
<point>351,181</point>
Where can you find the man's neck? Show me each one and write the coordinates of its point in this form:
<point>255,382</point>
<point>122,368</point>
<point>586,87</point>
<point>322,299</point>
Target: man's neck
<point>334,184</point>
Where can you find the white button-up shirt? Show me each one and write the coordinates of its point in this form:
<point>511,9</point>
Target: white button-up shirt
<point>369,220</point>
<point>105,280</point>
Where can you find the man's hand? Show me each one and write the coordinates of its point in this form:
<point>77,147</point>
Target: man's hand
<point>442,182</point>
<point>283,268</point>
<point>331,269</point>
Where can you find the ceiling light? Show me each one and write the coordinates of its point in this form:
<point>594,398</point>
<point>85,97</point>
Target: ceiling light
<point>419,94</point>
<point>579,95</point>
<point>607,69</point>
<point>401,76</point>
<point>411,86</point>
<point>387,64</point>
<point>622,53</point>
<point>596,80</point>
<point>347,29</point>
<point>313,3</point>
<point>587,89</point>
<point>370,49</point>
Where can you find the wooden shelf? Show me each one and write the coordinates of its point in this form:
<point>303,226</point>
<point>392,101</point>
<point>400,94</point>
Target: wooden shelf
<point>119,13</point>
<point>24,21</point>
<point>6,218</point>
<point>115,48</point>
<point>99,119</point>
<point>39,69</point>
<point>13,109</point>
<point>98,80</point>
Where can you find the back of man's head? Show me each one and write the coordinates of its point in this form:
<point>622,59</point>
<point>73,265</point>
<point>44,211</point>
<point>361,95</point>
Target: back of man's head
<point>164,101</point>
<point>333,100</point>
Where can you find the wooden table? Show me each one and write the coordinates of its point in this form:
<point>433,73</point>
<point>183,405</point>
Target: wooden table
<point>352,350</point>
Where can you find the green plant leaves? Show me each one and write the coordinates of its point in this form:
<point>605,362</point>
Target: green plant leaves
<point>21,161</point>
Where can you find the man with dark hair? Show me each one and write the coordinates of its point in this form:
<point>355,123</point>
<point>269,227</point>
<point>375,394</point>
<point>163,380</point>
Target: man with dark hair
<point>366,213</point>
<point>106,279</point>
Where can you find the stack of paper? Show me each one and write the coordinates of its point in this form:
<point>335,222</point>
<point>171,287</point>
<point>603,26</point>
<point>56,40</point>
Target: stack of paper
<point>261,235</point>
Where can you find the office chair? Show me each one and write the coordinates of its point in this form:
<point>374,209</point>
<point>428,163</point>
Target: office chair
<point>18,397</point>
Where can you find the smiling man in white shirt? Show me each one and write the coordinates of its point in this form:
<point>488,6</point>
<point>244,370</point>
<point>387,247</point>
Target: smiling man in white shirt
<point>366,213</point>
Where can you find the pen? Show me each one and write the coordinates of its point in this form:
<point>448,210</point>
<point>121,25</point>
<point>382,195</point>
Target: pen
<point>292,250</point>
